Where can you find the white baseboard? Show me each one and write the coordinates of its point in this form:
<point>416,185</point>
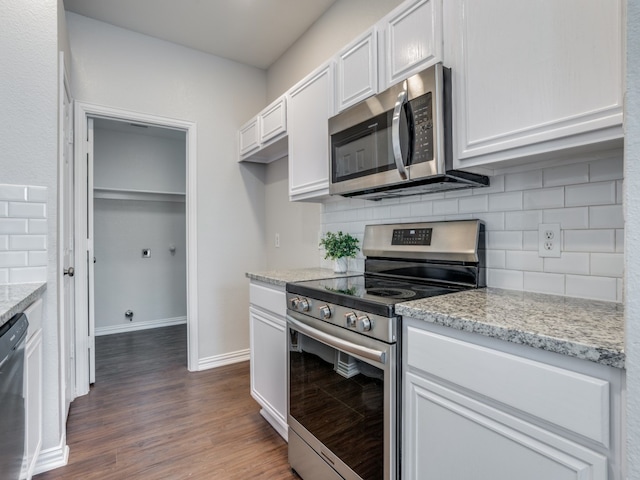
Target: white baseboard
<point>224,359</point>
<point>52,458</point>
<point>134,326</point>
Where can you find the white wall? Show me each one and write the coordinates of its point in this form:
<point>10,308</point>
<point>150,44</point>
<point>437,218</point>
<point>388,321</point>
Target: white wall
<point>153,288</point>
<point>125,70</point>
<point>29,144</point>
<point>632,237</point>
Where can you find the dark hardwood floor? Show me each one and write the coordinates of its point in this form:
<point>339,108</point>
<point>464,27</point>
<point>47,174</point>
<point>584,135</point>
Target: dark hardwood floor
<point>147,417</point>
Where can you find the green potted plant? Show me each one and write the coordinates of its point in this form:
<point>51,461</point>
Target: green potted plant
<point>340,247</point>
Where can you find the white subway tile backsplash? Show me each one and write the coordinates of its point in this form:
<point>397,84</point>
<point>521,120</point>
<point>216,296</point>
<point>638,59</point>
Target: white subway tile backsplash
<point>602,193</point>
<point>568,218</point>
<point>597,288</point>
<point>568,262</point>
<point>524,260</point>
<point>523,180</point>
<point>510,279</point>
<point>27,242</point>
<point>504,240</point>
<point>38,259</point>
<point>544,198</point>
<point>525,220</point>
<point>609,216</point>
<point>607,264</point>
<point>495,259</point>
<point>27,210</point>
<point>505,201</point>
<point>566,175</point>
<point>606,169</point>
<point>13,192</point>
<point>13,225</point>
<point>589,241</point>
<point>619,240</point>
<point>4,275</point>
<point>476,203</point>
<point>445,207</point>
<point>28,274</point>
<point>13,259</point>
<point>551,283</point>
<point>4,242</point>
<point>530,240</point>
<point>584,198</point>
<point>4,209</point>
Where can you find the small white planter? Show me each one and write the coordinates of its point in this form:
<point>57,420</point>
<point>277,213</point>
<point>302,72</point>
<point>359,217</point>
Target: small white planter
<point>340,265</point>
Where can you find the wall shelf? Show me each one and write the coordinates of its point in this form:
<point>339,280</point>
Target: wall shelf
<point>140,195</point>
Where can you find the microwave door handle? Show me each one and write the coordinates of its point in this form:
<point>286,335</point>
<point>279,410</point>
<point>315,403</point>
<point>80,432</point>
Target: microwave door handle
<point>395,133</point>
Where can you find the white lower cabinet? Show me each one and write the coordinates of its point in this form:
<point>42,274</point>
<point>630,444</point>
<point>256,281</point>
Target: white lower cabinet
<point>33,389</point>
<point>269,353</point>
<point>475,410</point>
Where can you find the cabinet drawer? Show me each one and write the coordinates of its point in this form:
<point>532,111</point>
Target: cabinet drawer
<point>571,400</point>
<point>272,299</point>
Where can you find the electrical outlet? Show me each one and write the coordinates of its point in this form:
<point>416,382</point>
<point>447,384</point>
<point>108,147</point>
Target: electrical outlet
<point>277,240</point>
<point>549,240</point>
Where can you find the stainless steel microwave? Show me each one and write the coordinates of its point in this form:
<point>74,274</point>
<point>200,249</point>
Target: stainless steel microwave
<point>398,142</point>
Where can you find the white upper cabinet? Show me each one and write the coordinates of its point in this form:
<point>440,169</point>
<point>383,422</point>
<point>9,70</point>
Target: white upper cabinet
<point>357,70</point>
<point>411,40</point>
<point>263,138</point>
<point>533,78</point>
<point>310,105</point>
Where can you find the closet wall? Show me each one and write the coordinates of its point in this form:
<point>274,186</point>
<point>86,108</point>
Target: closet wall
<point>139,203</point>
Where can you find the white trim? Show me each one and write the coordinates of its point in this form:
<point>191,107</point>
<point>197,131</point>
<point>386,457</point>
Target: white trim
<point>135,326</point>
<point>82,112</point>
<point>223,359</point>
<point>51,458</point>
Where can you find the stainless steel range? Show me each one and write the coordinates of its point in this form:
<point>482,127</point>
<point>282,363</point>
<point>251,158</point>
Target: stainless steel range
<point>345,346</point>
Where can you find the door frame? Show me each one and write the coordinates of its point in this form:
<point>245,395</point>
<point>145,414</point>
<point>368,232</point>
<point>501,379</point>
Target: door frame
<point>84,250</point>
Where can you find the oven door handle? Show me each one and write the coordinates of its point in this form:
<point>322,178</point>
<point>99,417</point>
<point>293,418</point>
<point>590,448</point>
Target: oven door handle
<point>338,343</point>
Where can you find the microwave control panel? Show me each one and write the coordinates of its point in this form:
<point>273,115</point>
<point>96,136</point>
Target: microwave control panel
<point>422,112</point>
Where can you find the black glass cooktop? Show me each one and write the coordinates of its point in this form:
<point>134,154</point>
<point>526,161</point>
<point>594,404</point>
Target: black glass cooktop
<point>368,293</point>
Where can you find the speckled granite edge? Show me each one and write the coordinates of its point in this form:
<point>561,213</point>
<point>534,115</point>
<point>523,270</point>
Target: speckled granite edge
<point>585,329</point>
<point>283,276</point>
<point>15,298</point>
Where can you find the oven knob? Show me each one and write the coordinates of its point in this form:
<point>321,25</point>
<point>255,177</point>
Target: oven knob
<point>325,312</point>
<point>363,324</point>
<point>294,303</point>
<point>351,319</point>
<point>303,305</point>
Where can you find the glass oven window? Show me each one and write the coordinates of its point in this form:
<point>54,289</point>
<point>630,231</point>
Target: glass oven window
<point>340,400</point>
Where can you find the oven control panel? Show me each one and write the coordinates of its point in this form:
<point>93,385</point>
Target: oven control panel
<point>411,236</point>
<point>366,323</point>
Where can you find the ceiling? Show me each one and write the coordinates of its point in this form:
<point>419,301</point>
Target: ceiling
<point>254,32</point>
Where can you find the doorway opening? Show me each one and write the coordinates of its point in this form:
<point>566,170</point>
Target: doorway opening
<point>136,215</point>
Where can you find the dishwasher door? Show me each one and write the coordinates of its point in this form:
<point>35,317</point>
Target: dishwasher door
<point>12,406</point>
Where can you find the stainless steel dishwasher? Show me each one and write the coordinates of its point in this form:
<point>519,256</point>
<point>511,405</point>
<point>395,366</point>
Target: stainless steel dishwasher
<point>12,421</point>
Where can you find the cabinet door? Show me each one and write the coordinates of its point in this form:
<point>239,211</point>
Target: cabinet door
<point>249,136</point>
<point>273,120</point>
<point>412,39</point>
<point>357,70</point>
<point>269,367</point>
<point>33,401</point>
<point>310,106</point>
<point>535,77</point>
<point>450,435</point>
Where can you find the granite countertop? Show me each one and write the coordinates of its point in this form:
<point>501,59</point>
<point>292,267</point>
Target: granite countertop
<point>16,297</point>
<point>586,329</point>
<point>282,276</point>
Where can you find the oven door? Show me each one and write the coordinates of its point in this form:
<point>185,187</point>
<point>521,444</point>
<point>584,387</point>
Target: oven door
<point>342,402</point>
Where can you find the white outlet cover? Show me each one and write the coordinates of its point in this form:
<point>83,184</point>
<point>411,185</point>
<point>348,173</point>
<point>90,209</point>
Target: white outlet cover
<point>549,240</point>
